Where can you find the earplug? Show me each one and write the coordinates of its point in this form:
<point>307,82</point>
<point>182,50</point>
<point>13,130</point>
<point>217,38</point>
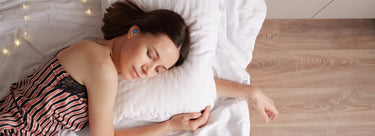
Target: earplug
<point>134,31</point>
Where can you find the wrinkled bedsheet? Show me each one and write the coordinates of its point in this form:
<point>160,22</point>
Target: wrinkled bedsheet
<point>31,31</point>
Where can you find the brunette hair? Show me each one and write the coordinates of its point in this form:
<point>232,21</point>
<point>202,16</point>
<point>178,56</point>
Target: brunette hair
<point>122,15</point>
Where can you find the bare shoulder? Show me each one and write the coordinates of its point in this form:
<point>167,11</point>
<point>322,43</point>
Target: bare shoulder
<point>85,48</point>
<point>86,59</point>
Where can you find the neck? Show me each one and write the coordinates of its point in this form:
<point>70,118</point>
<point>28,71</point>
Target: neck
<point>115,48</point>
<point>114,54</point>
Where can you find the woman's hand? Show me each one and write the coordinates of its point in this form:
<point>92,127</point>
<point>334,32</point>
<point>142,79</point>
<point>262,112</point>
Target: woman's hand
<point>184,121</point>
<point>190,121</point>
<point>262,103</point>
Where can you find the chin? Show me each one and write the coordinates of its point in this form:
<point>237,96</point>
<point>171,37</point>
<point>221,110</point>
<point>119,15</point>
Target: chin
<point>126,77</point>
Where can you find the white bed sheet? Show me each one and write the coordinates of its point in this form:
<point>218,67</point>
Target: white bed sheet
<point>55,24</point>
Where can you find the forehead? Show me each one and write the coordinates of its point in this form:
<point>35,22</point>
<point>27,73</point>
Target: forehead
<point>164,46</point>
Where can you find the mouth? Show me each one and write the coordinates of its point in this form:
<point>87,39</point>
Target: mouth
<point>135,74</point>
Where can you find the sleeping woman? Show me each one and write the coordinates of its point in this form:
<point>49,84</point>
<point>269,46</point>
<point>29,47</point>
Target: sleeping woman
<point>77,86</point>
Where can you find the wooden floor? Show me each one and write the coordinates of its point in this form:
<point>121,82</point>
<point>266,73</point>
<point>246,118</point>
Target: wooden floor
<point>321,75</point>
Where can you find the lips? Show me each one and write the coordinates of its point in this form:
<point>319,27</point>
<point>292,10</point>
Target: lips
<point>135,74</point>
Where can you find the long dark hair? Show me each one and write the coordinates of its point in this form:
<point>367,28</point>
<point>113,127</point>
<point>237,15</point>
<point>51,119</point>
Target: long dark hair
<point>122,15</point>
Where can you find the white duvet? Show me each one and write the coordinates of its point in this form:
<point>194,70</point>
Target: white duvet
<point>41,27</point>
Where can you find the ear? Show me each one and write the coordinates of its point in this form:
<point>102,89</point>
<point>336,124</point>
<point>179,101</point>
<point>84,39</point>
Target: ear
<point>134,30</point>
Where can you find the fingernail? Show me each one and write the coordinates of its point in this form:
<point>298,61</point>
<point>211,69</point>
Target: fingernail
<point>208,107</point>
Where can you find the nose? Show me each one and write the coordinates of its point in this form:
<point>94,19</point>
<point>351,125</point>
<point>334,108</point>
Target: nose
<point>149,69</point>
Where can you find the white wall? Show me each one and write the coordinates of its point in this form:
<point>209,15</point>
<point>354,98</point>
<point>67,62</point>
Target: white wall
<point>306,9</point>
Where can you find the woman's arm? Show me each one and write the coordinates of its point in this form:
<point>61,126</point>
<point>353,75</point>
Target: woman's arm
<point>158,129</point>
<point>262,103</point>
<point>225,88</point>
<point>185,121</point>
<point>101,90</point>
<point>91,66</point>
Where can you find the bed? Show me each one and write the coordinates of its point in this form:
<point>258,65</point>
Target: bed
<point>31,31</point>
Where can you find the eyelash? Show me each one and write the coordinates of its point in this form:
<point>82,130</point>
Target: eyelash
<point>149,55</point>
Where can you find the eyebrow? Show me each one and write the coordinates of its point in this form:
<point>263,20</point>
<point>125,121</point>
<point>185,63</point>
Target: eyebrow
<point>157,54</point>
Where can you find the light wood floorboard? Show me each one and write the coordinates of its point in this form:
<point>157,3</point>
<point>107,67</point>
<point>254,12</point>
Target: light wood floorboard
<point>321,75</point>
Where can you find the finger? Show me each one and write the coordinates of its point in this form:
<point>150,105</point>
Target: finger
<point>263,114</point>
<point>274,112</point>
<point>274,116</point>
<point>262,111</point>
<point>272,107</point>
<point>204,118</point>
<point>206,111</point>
<point>270,114</point>
<point>194,115</point>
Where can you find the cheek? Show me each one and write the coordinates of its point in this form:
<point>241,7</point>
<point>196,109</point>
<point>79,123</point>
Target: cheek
<point>131,57</point>
<point>174,58</point>
<point>139,56</point>
<point>125,70</point>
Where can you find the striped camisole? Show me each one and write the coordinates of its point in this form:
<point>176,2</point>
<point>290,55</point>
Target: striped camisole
<point>43,103</point>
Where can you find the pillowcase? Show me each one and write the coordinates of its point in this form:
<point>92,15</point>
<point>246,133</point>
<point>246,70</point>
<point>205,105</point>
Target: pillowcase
<point>240,24</point>
<point>186,88</point>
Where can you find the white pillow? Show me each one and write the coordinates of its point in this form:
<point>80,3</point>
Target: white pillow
<point>187,88</point>
<point>240,23</point>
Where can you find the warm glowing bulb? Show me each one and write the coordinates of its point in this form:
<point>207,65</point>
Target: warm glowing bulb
<point>26,17</point>
<point>24,33</point>
<point>5,51</point>
<point>17,42</point>
<point>88,12</point>
<point>24,6</point>
<point>84,1</point>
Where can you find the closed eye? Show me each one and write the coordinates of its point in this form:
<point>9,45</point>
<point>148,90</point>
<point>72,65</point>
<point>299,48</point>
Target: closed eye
<point>148,53</point>
<point>160,69</point>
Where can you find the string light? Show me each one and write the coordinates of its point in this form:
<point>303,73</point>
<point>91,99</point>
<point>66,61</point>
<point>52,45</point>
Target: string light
<point>24,6</point>
<point>17,42</point>
<point>5,51</point>
<point>26,17</point>
<point>88,12</point>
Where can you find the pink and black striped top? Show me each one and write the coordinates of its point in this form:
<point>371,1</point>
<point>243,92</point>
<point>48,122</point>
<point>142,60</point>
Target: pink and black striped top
<point>43,103</point>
